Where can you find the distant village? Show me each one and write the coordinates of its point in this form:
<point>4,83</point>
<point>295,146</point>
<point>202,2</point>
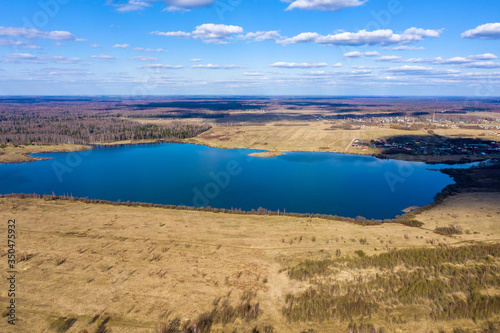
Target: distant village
<point>442,147</point>
<point>426,145</point>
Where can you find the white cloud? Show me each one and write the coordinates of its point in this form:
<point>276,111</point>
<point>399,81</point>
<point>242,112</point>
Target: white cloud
<point>196,60</point>
<point>253,74</point>
<point>61,59</point>
<point>406,48</point>
<point>95,45</point>
<point>357,54</point>
<point>121,46</point>
<point>483,64</point>
<point>26,57</point>
<point>35,33</point>
<point>138,5</point>
<point>485,31</point>
<point>283,64</point>
<point>20,56</point>
<point>103,57</point>
<point>210,66</point>
<point>330,5</point>
<point>363,37</point>
<point>454,60</point>
<point>337,65</point>
<point>209,33</point>
<point>172,34</point>
<point>419,70</point>
<point>260,36</point>
<point>142,58</point>
<point>485,56</point>
<point>354,54</point>
<point>304,37</point>
<point>187,4</point>
<point>389,58</point>
<point>141,49</point>
<point>156,66</point>
<point>131,5</point>
<point>18,44</point>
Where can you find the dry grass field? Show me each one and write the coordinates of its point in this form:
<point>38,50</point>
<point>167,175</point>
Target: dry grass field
<point>125,269</point>
<point>310,137</point>
<point>11,154</point>
<point>300,130</point>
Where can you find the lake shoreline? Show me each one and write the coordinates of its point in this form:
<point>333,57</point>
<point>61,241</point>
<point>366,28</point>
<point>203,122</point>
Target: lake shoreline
<point>20,155</point>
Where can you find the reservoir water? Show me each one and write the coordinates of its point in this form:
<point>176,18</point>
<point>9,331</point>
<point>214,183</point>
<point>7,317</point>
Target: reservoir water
<point>194,175</point>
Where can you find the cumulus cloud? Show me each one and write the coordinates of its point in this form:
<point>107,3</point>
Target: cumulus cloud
<point>454,60</point>
<point>357,54</point>
<point>131,5</point>
<point>483,64</point>
<point>253,74</point>
<point>260,36</point>
<point>121,46</point>
<point>389,58</point>
<point>354,54</point>
<point>419,70</point>
<point>26,57</point>
<point>208,33</point>
<point>138,5</point>
<point>142,58</point>
<point>61,59</point>
<point>304,37</point>
<point>406,48</point>
<point>157,66</point>
<point>187,4</point>
<point>20,56</point>
<point>485,56</point>
<point>283,64</point>
<point>141,49</point>
<point>337,65</point>
<point>35,33</point>
<point>330,5</point>
<point>363,37</point>
<point>18,44</point>
<point>172,34</point>
<point>210,66</point>
<point>196,60</point>
<point>485,31</point>
<point>103,57</point>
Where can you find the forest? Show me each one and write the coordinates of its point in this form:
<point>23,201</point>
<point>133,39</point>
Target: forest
<point>77,124</point>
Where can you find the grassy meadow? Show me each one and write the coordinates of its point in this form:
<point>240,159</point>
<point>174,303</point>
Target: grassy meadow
<point>103,268</point>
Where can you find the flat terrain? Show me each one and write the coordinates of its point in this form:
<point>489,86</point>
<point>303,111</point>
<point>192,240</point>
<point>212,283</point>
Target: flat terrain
<point>18,154</point>
<point>128,268</point>
<point>93,268</point>
<point>273,124</point>
<point>316,136</point>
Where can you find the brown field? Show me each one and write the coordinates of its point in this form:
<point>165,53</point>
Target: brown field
<point>139,266</point>
<point>313,137</point>
<point>272,132</point>
<point>11,154</point>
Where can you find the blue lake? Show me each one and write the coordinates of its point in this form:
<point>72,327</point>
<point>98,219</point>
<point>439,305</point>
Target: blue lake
<point>193,175</point>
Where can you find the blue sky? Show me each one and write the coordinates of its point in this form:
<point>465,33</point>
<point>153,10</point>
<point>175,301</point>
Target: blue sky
<point>250,47</point>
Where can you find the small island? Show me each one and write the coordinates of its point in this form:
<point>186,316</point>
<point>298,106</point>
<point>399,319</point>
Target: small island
<point>267,154</point>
